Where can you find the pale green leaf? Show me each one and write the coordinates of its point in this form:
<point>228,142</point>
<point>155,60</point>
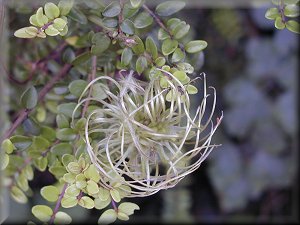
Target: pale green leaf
<point>128,208</point>
<point>92,173</point>
<point>292,11</point>
<point>51,10</point>
<point>167,8</point>
<point>72,191</point>
<point>67,109</point>
<point>162,34</point>
<point>169,46</point>
<point>122,216</point>
<point>42,212</point>
<point>62,218</point>
<point>293,26</point>
<point>195,46</point>
<point>65,6</point>
<point>112,10</point>
<point>41,19</point>
<point>101,204</point>
<point>76,87</point>
<point>51,31</point>
<point>61,149</point>
<point>143,20</point>
<point>139,47</point>
<point>160,61</point>
<point>18,195</point>
<point>136,3</point>
<point>178,55</point>
<point>62,121</point>
<point>191,89</point>
<point>115,195</point>
<point>109,216</point>
<point>69,201</point>
<point>4,160</point>
<point>181,30</point>
<point>180,75</point>
<point>21,33</point>
<point>272,13</point>
<point>151,47</point>
<point>29,98</point>
<point>141,64</point>
<point>279,24</point>
<point>50,193</point>
<point>127,27</point>
<point>7,146</point>
<point>92,187</point>
<point>126,56</point>
<point>86,202</point>
<point>66,134</point>
<point>59,24</point>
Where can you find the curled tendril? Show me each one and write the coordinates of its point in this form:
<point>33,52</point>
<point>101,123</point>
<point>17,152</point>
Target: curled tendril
<point>137,138</point>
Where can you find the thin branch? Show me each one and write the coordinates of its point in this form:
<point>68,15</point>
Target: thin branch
<point>158,21</point>
<point>23,114</point>
<point>58,203</point>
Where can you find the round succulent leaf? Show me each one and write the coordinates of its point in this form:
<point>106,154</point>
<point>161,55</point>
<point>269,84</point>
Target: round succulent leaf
<point>33,20</point>
<point>41,163</point>
<point>101,204</point>
<point>50,193</point>
<point>272,13</point>
<point>107,217</point>
<point>186,81</point>
<point>115,195</point>
<point>293,26</point>
<point>22,182</point>
<point>171,96</point>
<point>21,142</point>
<point>279,24</point>
<point>29,98</point>
<point>127,27</point>
<point>42,212</point>
<point>31,126</point>
<point>72,191</point>
<point>151,47</point>
<point>136,3</point>
<point>180,75</point>
<point>141,64</point>
<point>92,173</point>
<point>163,82</point>
<point>80,181</point>
<point>143,20</point>
<point>61,149</point>
<point>112,10</point>
<point>92,187</point>
<point>67,158</point>
<point>126,56</point>
<point>122,216</point>
<point>160,61</point>
<point>41,19</point>
<point>67,109</point>
<point>167,8</point>
<point>62,218</point>
<point>162,34</point>
<point>62,121</point>
<point>186,67</point>
<point>128,208</point>
<point>65,6</point>
<point>48,133</point>
<point>28,172</point>
<point>191,89</point>
<point>181,30</point>
<point>292,11</point>
<point>4,160</point>
<point>73,167</point>
<point>21,33</point>
<point>178,55</point>
<point>31,30</point>
<point>51,31</point>
<point>64,31</point>
<point>18,195</point>
<point>69,201</point>
<point>139,47</point>
<point>41,34</point>
<point>7,146</point>
<point>86,202</point>
<point>51,10</point>
<point>169,46</point>
<point>172,23</point>
<point>110,22</point>
<point>59,24</point>
<point>77,15</point>
<point>104,194</point>
<point>195,46</point>
<point>76,87</point>
<point>101,42</point>
<point>66,134</point>
<point>69,178</point>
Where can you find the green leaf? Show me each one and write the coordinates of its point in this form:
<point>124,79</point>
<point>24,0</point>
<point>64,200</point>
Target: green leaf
<point>51,10</point>
<point>162,34</point>
<point>41,163</point>
<point>99,91</point>
<point>178,55</point>
<point>92,173</point>
<point>293,26</point>
<point>186,67</point>
<point>78,16</point>
<point>112,10</point>
<point>42,212</point>
<point>48,133</point>
<point>292,11</point>
<point>115,195</point>
<point>191,89</point>
<point>62,218</point>
<point>62,121</point>
<point>86,202</point>
<point>101,204</point>
<point>141,64</point>
<point>66,159</point>
<point>69,201</point>
<point>109,216</point>
<point>171,96</point>
<point>181,30</point>
<point>126,56</point>
<point>51,31</point>
<point>104,194</point>
<point>169,46</point>
<point>122,216</point>
<point>41,19</point>
<point>61,149</point>
<point>290,2</point>
<point>23,33</point>
<point>151,47</point>
<point>59,24</point>
<point>18,195</point>
<point>69,178</point>
<point>127,27</point>
<point>279,24</point>
<point>195,46</point>
<point>110,22</point>
<point>72,191</point>
<point>81,58</point>
<point>92,187</point>
<point>30,126</point>
<point>136,3</point>
<point>272,13</point>
<point>22,182</point>
<point>73,167</point>
<point>139,47</point>
<point>29,98</point>
<point>180,75</point>
<point>143,20</point>
<point>65,6</point>
<point>101,40</point>
<point>28,172</point>
<point>128,208</point>
<point>67,109</point>
<point>4,160</point>
<point>163,82</point>
<point>66,134</point>
<point>129,11</point>
<point>50,193</point>
<point>21,142</point>
<point>172,23</point>
<point>160,61</point>
<point>168,8</point>
<point>33,20</point>
<point>7,146</point>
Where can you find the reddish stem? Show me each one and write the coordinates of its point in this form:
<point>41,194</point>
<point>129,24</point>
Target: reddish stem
<point>58,203</point>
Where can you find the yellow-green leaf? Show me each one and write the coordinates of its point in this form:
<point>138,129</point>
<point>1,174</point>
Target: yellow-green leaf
<point>65,6</point>
<point>42,212</point>
<point>18,195</point>
<point>29,98</point>
<point>167,8</point>
<point>4,160</point>
<point>86,202</point>
<point>293,26</point>
<point>62,218</point>
<point>50,193</point>
<point>109,216</point>
<point>51,10</point>
<point>279,24</point>
<point>128,208</point>
<point>101,204</point>
<point>195,46</point>
<point>69,201</point>
<point>92,187</point>
<point>7,146</point>
<point>115,195</point>
<point>169,46</point>
<point>272,13</point>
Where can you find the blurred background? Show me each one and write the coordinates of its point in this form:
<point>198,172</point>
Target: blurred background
<point>253,176</point>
